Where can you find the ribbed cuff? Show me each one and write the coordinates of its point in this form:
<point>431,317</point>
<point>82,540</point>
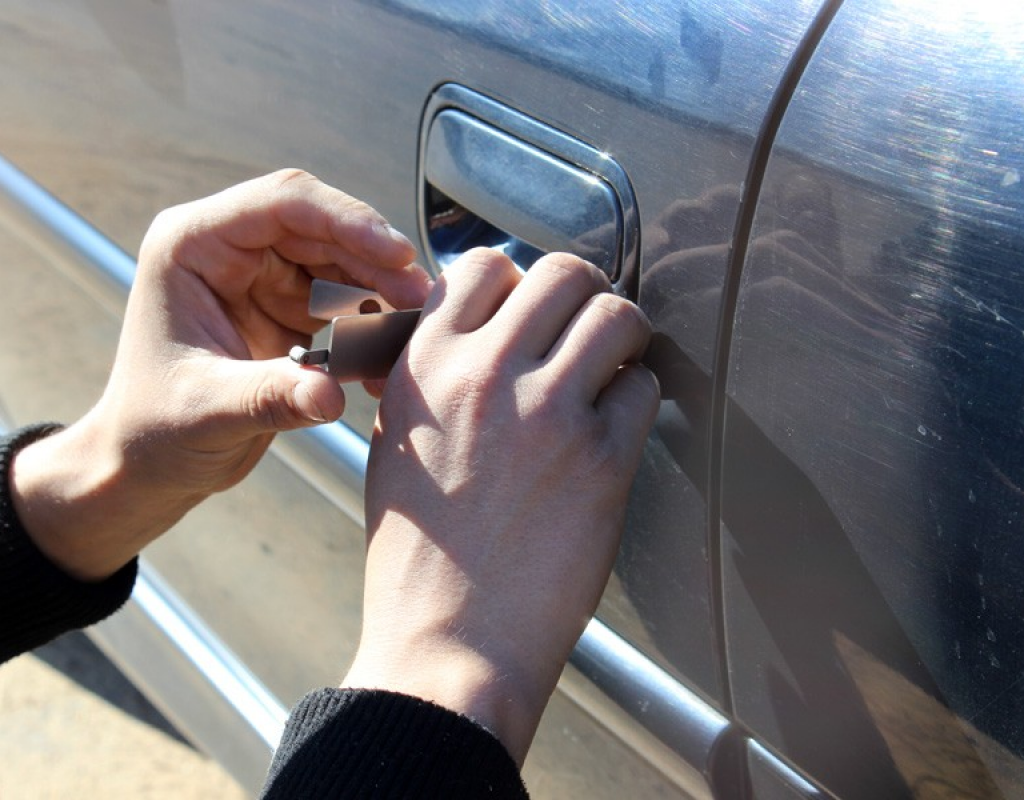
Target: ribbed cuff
<point>354,743</point>
<point>38,601</point>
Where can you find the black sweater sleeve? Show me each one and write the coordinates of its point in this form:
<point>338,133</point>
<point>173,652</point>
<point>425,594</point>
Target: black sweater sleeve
<point>38,601</point>
<point>358,743</point>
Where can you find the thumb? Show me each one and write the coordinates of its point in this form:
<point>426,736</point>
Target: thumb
<point>279,395</point>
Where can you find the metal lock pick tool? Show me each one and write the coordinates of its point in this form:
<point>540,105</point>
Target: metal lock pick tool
<point>367,334</point>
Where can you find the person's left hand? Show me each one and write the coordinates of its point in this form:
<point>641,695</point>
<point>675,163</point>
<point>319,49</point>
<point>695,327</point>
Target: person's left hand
<point>505,446</point>
<point>201,381</point>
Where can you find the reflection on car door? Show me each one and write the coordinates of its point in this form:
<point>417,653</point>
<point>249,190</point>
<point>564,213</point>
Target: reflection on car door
<point>872,491</point>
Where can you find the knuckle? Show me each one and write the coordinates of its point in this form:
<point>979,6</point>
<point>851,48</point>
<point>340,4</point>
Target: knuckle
<point>265,404</point>
<point>622,313</point>
<point>285,185</point>
<point>567,267</point>
<point>168,236</point>
<point>289,175</point>
<point>565,262</point>
<point>167,220</point>
<point>484,258</point>
<point>480,265</point>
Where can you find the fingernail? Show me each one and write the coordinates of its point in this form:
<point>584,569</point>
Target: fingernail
<point>307,405</point>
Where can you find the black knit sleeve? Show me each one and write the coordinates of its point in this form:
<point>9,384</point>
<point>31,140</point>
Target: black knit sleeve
<point>359,743</point>
<point>38,601</point>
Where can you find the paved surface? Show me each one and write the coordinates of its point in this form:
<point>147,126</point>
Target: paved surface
<point>71,726</point>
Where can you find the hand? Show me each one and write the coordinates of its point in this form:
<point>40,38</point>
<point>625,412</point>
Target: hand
<point>505,446</point>
<point>201,381</point>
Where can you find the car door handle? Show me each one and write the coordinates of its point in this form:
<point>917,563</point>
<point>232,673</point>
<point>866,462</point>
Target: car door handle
<point>521,191</point>
<point>493,177</point>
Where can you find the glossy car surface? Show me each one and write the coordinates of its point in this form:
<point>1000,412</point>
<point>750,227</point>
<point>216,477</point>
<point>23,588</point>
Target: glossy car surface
<point>820,207</point>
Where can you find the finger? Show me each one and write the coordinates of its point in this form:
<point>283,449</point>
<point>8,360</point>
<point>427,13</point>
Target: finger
<point>270,318</point>
<point>281,297</point>
<point>629,404</point>
<point>408,287</point>
<point>470,291</point>
<point>230,241</point>
<point>404,286</point>
<point>608,331</point>
<point>273,314</point>
<point>375,388</point>
<point>548,297</point>
<point>249,398</point>
<point>294,203</point>
<point>219,235</point>
<point>241,327</point>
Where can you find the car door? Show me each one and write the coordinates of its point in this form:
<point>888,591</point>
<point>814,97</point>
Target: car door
<point>871,494</point>
<point>255,597</point>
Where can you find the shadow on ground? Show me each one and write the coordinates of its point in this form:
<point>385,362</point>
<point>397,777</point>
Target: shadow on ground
<point>74,655</point>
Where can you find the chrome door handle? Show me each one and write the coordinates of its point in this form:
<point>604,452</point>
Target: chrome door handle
<point>496,178</point>
<point>521,190</point>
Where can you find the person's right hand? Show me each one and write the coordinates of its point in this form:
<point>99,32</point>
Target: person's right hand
<point>507,439</point>
<point>202,382</point>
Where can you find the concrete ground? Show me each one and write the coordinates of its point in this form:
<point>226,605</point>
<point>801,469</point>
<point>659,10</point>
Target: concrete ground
<point>71,726</point>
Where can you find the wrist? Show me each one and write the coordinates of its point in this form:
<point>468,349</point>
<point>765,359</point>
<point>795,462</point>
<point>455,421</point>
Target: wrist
<point>81,504</point>
<point>448,672</point>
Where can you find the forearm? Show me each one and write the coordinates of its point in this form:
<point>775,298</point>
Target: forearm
<point>475,676</point>
<point>84,507</point>
<point>463,687</point>
<point>39,601</point>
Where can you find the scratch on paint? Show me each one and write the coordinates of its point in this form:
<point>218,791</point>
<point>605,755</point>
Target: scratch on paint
<point>987,309</point>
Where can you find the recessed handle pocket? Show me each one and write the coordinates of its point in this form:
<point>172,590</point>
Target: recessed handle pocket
<point>493,177</point>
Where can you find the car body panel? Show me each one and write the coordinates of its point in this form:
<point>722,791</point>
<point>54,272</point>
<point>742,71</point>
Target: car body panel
<point>205,95</point>
<point>872,486</point>
<point>749,607</point>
